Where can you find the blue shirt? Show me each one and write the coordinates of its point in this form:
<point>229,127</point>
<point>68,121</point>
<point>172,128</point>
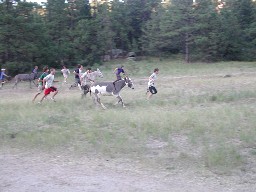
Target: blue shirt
<point>119,70</point>
<point>34,71</point>
<point>2,75</point>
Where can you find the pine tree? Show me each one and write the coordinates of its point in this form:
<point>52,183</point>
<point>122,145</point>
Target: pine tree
<point>244,12</point>
<point>22,36</point>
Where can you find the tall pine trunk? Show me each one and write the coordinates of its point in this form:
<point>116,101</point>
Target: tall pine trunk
<point>187,48</point>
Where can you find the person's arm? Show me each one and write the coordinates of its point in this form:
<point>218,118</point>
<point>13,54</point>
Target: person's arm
<point>115,70</point>
<point>151,79</point>
<point>6,75</point>
<point>44,81</point>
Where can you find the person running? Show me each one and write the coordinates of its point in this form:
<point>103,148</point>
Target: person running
<point>35,71</point>
<point>65,73</point>
<point>40,82</point>
<point>151,84</point>
<point>86,79</point>
<point>2,77</point>
<point>48,85</point>
<point>118,72</point>
<point>77,74</point>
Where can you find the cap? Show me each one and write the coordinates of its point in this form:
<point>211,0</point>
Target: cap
<point>3,69</point>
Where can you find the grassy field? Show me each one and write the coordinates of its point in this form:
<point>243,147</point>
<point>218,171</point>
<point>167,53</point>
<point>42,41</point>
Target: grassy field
<point>202,118</point>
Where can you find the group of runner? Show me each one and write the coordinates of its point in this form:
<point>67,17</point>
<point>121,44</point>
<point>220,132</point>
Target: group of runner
<point>45,83</point>
<point>81,78</point>
<point>46,80</point>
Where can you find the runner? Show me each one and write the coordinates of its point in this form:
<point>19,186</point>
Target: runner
<point>40,82</point>
<point>48,84</point>
<point>151,84</point>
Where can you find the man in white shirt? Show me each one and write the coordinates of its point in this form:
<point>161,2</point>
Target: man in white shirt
<point>86,77</point>
<point>65,71</point>
<point>48,85</point>
<point>151,84</point>
<point>87,80</point>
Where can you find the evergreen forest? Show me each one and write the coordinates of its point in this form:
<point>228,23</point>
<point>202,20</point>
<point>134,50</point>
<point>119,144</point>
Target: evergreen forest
<point>70,32</point>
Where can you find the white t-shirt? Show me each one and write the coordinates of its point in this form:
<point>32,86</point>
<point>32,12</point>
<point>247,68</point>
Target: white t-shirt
<point>65,72</point>
<point>152,79</point>
<point>80,72</point>
<point>86,77</point>
<point>49,80</point>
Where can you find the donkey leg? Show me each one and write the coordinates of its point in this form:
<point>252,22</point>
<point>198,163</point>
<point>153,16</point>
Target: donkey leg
<point>120,100</point>
<point>15,84</point>
<point>118,97</point>
<point>103,106</point>
<point>94,99</point>
<point>98,100</point>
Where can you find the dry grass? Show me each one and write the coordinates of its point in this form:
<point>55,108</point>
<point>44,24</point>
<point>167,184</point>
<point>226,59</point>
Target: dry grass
<point>199,118</point>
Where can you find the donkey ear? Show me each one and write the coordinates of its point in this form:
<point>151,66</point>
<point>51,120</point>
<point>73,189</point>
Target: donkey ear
<point>97,69</point>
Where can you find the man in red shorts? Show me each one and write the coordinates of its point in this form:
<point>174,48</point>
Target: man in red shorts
<point>47,83</point>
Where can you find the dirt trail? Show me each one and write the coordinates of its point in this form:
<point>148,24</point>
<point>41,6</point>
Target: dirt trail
<point>26,171</point>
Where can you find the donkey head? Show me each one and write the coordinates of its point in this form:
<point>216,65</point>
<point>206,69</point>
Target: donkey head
<point>99,74</point>
<point>129,82</point>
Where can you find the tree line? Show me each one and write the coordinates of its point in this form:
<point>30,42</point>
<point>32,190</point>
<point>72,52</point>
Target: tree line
<point>70,32</point>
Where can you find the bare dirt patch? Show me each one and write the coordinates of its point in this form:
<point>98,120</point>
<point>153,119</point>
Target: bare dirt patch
<point>34,171</point>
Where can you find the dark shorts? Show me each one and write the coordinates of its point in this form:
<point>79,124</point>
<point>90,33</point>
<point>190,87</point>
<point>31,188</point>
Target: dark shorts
<point>152,90</point>
<point>77,81</point>
<point>49,90</point>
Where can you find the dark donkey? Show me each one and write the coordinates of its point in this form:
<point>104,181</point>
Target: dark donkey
<point>25,77</point>
<point>109,89</point>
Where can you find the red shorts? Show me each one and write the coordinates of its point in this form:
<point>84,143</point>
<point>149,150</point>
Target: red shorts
<point>49,90</point>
